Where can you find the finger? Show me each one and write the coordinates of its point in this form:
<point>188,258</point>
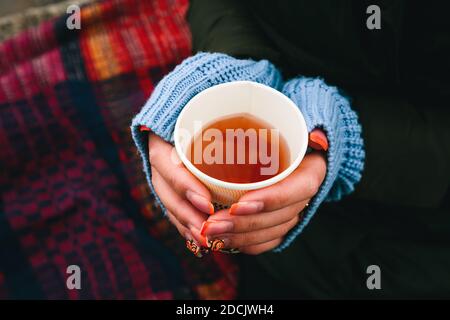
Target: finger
<point>223,222</point>
<point>238,240</point>
<point>184,212</point>
<point>192,234</point>
<point>303,183</point>
<point>182,230</point>
<point>261,248</point>
<point>192,244</point>
<point>161,155</point>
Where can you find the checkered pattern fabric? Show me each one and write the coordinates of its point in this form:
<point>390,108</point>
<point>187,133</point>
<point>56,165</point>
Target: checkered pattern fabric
<point>72,186</point>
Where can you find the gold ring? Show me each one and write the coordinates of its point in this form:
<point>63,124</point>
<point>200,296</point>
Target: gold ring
<point>218,245</point>
<point>194,248</point>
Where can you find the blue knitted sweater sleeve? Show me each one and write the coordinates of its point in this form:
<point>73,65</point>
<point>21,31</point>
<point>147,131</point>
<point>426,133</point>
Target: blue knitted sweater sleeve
<point>323,107</point>
<point>192,76</point>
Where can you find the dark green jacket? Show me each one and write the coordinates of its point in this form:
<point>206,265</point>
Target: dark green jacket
<point>398,79</point>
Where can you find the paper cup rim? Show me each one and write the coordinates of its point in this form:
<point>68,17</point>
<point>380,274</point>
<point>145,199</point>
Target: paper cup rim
<point>233,185</point>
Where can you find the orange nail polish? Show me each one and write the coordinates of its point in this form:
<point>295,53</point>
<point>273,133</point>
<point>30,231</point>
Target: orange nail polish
<point>318,140</point>
<point>204,227</point>
<point>211,208</point>
<point>233,208</point>
<point>204,241</point>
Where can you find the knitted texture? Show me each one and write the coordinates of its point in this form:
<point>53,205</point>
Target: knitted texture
<point>323,107</point>
<point>192,76</point>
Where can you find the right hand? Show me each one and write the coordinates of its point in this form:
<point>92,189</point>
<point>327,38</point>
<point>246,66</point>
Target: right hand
<point>186,199</point>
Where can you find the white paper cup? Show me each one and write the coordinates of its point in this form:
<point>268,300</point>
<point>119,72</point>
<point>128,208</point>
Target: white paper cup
<point>237,97</point>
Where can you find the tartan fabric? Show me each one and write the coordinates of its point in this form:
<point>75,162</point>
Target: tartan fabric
<point>72,186</point>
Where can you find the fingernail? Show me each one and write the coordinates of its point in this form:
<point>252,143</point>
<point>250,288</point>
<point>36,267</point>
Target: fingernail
<point>199,236</point>
<point>246,207</point>
<point>200,202</point>
<point>204,227</point>
<point>318,140</point>
<point>218,244</point>
<point>216,227</point>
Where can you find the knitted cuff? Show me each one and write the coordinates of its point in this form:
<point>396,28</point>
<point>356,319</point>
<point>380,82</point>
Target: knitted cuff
<point>192,76</point>
<point>323,107</point>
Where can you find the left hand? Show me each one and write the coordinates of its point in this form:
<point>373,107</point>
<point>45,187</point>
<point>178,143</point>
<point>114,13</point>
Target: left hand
<point>261,218</point>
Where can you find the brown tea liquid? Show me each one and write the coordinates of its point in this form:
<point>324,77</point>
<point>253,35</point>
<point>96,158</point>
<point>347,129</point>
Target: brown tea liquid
<point>230,152</point>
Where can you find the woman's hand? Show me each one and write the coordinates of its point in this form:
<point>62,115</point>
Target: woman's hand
<point>257,223</point>
<point>186,199</point>
<point>261,218</point>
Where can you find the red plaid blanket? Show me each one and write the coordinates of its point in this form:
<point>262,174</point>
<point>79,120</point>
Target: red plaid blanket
<point>72,188</point>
